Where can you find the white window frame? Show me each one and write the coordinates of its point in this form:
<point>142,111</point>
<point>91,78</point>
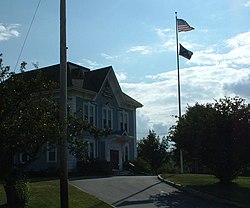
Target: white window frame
<point>89,106</point>
<point>91,143</point>
<point>123,115</point>
<point>109,111</point>
<point>51,150</point>
<point>124,159</point>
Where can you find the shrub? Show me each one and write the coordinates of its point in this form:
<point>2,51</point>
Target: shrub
<point>169,167</point>
<point>141,166</point>
<point>94,167</point>
<point>246,171</point>
<point>23,192</point>
<point>17,193</point>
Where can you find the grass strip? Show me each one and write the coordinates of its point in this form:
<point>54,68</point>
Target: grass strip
<point>47,194</point>
<point>237,191</point>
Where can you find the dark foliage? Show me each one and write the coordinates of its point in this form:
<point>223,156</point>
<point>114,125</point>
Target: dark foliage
<point>215,137</point>
<point>94,168</point>
<point>153,150</point>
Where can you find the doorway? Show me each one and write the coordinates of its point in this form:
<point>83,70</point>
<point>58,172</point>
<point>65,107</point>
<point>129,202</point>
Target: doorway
<point>114,159</point>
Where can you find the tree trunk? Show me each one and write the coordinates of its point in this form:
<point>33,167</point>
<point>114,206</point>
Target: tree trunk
<point>13,200</point>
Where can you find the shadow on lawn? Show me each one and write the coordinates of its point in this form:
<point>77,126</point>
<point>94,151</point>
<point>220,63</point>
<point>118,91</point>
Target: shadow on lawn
<point>231,192</point>
<point>174,199</point>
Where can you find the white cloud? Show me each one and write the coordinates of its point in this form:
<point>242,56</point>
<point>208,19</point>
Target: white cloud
<point>142,123</point>
<point>198,84</point>
<point>167,43</point>
<point>205,57</point>
<point>212,76</point>
<point>204,30</point>
<point>108,57</point>
<point>168,40</point>
<point>164,33</point>
<point>240,47</point>
<point>8,31</point>
<point>121,76</point>
<point>239,40</point>
<point>247,4</point>
<point>237,55</point>
<point>142,49</point>
<point>91,64</point>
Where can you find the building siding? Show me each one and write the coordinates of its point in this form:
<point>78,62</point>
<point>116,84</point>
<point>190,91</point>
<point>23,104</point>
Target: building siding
<point>98,88</point>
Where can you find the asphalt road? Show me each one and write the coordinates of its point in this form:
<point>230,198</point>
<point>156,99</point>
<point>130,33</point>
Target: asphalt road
<point>141,191</point>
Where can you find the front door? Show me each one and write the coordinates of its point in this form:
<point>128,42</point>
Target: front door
<point>114,159</point>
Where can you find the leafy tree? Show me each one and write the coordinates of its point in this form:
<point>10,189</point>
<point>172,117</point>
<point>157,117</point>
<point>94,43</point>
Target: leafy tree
<point>153,150</point>
<point>233,133</point>
<point>28,120</point>
<point>216,136</point>
<point>192,134</point>
<point>76,127</point>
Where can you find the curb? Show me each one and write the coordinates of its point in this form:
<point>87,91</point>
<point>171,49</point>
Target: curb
<point>201,194</point>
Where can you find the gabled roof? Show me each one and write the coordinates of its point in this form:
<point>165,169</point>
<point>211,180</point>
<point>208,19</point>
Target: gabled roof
<point>53,73</point>
<point>83,78</point>
<point>94,79</point>
<point>131,101</point>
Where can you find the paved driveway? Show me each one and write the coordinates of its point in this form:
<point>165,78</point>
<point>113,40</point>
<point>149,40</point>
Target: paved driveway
<point>140,191</point>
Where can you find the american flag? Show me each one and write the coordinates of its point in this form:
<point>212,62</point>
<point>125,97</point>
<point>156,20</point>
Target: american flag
<point>183,26</point>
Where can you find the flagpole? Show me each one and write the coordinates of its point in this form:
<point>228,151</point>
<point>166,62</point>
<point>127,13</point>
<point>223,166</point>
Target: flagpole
<point>64,201</point>
<point>179,85</point>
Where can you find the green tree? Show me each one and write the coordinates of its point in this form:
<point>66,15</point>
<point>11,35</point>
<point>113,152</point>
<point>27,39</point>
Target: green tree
<point>28,120</point>
<point>233,133</point>
<point>153,150</point>
<point>193,133</point>
<point>215,137</point>
<point>76,127</point>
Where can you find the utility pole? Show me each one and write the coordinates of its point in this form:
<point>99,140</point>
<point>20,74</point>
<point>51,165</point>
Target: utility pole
<point>63,108</point>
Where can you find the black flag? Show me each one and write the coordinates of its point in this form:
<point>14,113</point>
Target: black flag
<point>185,52</point>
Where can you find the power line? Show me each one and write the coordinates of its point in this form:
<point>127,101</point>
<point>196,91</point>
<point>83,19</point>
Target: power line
<point>31,23</point>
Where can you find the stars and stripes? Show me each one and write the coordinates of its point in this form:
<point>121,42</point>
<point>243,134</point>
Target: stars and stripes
<point>183,26</point>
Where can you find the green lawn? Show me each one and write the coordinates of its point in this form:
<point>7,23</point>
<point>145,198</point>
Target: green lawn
<point>46,194</point>
<point>238,191</point>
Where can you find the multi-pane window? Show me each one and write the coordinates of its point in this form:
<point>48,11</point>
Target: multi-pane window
<point>107,115</point>
<point>126,153</point>
<point>89,113</point>
<point>126,121</point>
<point>91,150</point>
<point>120,120</point>
<point>86,112</point>
<point>123,121</point>
<point>51,153</point>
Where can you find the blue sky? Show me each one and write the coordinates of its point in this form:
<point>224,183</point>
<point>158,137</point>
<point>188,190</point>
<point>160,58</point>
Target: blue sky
<point>137,37</point>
